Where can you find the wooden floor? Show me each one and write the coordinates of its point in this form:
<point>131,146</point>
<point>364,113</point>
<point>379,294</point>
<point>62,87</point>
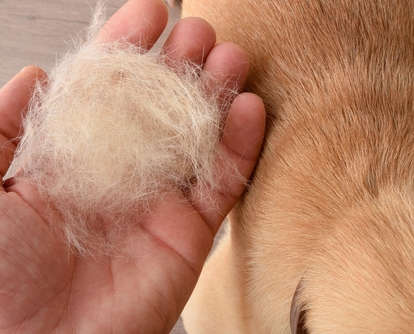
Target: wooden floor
<point>38,31</point>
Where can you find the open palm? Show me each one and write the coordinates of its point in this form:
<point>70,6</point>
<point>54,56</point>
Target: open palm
<point>43,289</point>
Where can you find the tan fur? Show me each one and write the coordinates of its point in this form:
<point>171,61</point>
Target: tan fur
<point>332,198</point>
<point>115,129</point>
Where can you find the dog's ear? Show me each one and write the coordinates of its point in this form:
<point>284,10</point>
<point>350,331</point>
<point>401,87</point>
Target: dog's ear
<point>297,313</point>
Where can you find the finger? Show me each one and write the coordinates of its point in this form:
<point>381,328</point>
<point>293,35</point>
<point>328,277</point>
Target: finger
<point>192,39</point>
<point>240,147</point>
<point>139,21</point>
<point>14,99</point>
<point>228,65</point>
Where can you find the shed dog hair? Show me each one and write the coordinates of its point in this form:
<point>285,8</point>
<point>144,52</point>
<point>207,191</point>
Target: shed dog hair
<point>323,241</point>
<point>114,129</point>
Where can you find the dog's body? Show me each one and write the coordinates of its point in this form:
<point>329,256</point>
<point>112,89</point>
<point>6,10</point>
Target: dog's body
<point>330,208</point>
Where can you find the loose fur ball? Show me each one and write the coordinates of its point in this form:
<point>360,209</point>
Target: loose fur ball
<point>113,130</point>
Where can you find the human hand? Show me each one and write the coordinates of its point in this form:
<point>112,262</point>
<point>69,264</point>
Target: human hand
<point>45,289</point>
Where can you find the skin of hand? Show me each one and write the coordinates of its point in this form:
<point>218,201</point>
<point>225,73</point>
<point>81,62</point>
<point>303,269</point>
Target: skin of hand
<point>44,289</point>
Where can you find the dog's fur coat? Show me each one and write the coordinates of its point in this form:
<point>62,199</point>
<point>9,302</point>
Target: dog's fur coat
<point>331,202</point>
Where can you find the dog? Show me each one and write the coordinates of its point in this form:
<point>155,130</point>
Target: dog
<point>323,240</point>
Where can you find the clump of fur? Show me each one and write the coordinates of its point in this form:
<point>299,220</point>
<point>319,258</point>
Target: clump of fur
<point>113,130</point>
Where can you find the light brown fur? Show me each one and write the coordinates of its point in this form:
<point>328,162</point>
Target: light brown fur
<point>331,202</point>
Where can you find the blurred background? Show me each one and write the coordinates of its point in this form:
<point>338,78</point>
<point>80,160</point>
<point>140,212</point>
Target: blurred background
<point>37,32</point>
